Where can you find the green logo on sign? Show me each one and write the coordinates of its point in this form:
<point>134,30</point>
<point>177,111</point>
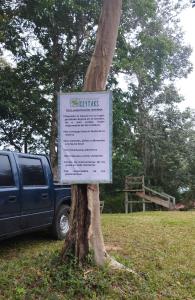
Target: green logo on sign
<point>79,102</point>
<point>74,103</point>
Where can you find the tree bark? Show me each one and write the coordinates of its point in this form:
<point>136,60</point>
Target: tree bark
<point>99,67</point>
<point>77,238</point>
<point>53,135</point>
<point>56,57</point>
<point>87,208</point>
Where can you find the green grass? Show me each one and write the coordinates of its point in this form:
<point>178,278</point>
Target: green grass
<point>159,246</point>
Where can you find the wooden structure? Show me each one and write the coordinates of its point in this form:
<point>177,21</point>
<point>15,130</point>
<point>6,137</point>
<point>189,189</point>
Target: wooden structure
<point>101,206</point>
<point>136,186</point>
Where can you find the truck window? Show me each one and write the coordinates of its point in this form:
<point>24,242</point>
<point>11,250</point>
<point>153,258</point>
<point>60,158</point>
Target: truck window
<point>32,171</point>
<point>6,176</point>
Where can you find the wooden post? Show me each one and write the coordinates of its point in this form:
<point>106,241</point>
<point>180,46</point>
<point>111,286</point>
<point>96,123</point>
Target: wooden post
<point>126,202</point>
<point>169,203</point>
<point>174,203</point>
<point>144,205</point>
<point>143,184</point>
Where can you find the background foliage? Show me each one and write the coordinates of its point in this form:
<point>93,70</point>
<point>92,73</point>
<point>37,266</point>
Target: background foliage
<point>50,44</point>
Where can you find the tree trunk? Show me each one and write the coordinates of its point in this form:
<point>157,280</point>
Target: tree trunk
<point>53,135</point>
<point>80,221</point>
<point>56,57</point>
<point>87,208</point>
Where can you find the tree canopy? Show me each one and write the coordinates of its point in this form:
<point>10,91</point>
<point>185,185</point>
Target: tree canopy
<point>51,43</point>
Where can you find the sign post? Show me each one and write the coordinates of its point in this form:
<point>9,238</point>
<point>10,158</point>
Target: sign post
<point>85,137</point>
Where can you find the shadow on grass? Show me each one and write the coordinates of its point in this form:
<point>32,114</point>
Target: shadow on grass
<point>12,244</point>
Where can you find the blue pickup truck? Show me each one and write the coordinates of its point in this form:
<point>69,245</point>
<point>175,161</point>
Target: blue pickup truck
<point>29,199</point>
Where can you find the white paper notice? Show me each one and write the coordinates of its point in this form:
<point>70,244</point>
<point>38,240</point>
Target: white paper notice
<point>85,137</point>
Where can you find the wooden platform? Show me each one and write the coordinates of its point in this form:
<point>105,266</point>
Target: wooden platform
<point>136,186</point>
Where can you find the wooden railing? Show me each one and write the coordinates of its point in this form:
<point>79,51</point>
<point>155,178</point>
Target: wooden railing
<point>134,184</point>
<point>164,196</point>
<point>137,186</point>
<point>101,206</point>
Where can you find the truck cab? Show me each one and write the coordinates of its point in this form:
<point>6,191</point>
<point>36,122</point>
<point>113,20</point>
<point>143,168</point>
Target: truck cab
<point>29,199</point>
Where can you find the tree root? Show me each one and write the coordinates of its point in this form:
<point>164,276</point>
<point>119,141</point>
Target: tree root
<point>115,265</point>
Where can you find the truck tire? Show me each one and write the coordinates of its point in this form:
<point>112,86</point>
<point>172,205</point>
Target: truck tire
<point>60,225</point>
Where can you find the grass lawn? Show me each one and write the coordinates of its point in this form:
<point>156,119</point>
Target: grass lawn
<point>159,246</point>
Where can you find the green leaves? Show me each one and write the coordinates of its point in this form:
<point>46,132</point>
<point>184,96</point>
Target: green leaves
<point>52,42</point>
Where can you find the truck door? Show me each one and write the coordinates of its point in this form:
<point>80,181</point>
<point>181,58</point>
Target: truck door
<point>10,209</point>
<point>36,197</point>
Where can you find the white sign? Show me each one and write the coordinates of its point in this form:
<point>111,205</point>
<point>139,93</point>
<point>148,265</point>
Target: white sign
<point>85,137</point>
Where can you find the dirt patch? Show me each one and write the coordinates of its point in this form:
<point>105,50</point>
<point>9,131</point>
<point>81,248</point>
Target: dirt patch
<point>113,248</point>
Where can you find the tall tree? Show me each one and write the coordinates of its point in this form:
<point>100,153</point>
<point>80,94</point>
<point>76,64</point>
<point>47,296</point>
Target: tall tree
<point>85,207</point>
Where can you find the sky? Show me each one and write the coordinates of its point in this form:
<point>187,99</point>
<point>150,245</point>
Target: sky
<point>187,86</point>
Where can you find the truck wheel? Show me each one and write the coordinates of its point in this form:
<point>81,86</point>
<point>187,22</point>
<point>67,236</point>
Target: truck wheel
<point>61,223</point>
